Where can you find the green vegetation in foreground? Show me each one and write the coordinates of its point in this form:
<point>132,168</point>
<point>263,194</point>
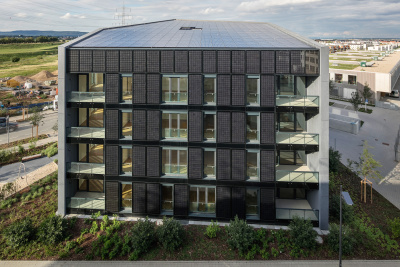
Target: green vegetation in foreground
<point>343,66</point>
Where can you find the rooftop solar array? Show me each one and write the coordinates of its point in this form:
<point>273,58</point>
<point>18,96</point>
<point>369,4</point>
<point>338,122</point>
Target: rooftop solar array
<point>191,33</point>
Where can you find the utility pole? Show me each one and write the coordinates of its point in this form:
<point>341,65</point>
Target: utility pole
<point>123,14</point>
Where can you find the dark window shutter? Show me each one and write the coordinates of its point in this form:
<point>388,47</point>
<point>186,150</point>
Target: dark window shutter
<point>282,62</point>
<point>125,61</point>
<point>238,90</point>
<point>153,199</point>
<point>112,88</point>
<point>153,61</point>
<point>153,161</point>
<point>73,60</point>
<point>112,196</point>
<point>223,164</point>
<point>153,88</point>
<point>297,62</point>
<point>195,163</point>
<point>181,199</point>
<point>238,164</point>
<point>112,124</point>
<point>209,62</point>
<point>267,91</point>
<point>167,61</point>
<point>268,62</point>
<point>238,127</point>
<point>85,61</point>
<point>223,127</point>
<point>139,198</point>
<point>224,90</point>
<point>112,160</point>
<point>238,61</point>
<point>195,126</point>
<point>139,61</point>
<point>195,61</point>
<point>139,124</point>
<point>239,202</point>
<point>224,61</point>
<point>153,125</point>
<point>112,61</point>
<point>181,61</point>
<point>253,62</point>
<point>267,204</point>
<point>139,161</point>
<point>99,61</point>
<point>267,161</point>
<point>139,88</point>
<point>267,128</point>
<point>223,202</point>
<point>195,89</point>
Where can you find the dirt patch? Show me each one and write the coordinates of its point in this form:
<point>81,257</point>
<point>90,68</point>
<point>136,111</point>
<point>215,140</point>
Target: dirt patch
<point>20,79</point>
<point>44,75</point>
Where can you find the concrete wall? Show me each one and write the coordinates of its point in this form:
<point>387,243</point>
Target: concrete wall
<point>345,124</point>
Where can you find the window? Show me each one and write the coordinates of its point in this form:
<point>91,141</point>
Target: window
<point>291,122</point>
<point>202,199</point>
<point>209,126</point>
<point>253,165</point>
<point>252,202</point>
<point>90,185</point>
<point>352,79</point>
<point>91,117</point>
<point>209,163</point>
<point>126,196</point>
<point>285,85</point>
<point>292,193</point>
<point>292,157</point>
<point>210,90</point>
<point>252,121</point>
<point>174,161</point>
<point>126,124</point>
<point>92,82</point>
<point>253,90</point>
<point>338,78</point>
<point>82,83</point>
<point>174,125</point>
<point>174,88</point>
<point>126,157</point>
<point>126,88</point>
<point>90,153</point>
<point>167,198</point>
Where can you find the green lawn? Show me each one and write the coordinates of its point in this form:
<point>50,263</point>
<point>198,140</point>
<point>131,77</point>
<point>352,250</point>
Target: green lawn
<point>349,59</point>
<point>343,66</point>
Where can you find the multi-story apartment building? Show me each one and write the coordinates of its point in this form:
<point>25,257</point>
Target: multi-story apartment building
<point>194,119</point>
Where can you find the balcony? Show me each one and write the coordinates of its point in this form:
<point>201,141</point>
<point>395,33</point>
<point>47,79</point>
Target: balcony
<point>86,168</point>
<point>289,138</point>
<point>86,132</point>
<point>86,97</point>
<point>174,97</point>
<point>171,169</point>
<point>296,174</point>
<point>175,133</point>
<point>87,200</point>
<point>297,101</point>
<point>287,209</point>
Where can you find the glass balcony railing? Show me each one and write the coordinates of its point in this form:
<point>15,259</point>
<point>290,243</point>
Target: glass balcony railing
<point>209,133</point>
<point>253,98</point>
<point>126,203</point>
<point>175,133</point>
<point>296,176</point>
<point>297,101</point>
<point>289,214</point>
<point>174,169</point>
<point>174,97</point>
<point>297,138</point>
<point>202,207</point>
<point>86,132</point>
<point>95,97</point>
<point>86,203</point>
<point>86,168</point>
<point>210,98</point>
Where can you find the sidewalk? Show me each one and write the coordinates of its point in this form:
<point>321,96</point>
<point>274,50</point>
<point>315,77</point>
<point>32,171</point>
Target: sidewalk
<point>44,113</point>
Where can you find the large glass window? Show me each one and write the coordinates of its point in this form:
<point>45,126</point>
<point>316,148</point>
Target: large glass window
<point>91,117</point>
<point>82,83</point>
<point>174,125</point>
<point>285,85</point>
<point>90,185</point>
<point>127,88</point>
<point>292,193</point>
<point>90,153</point>
<point>210,90</point>
<point>338,78</point>
<point>252,202</point>
<point>126,124</point>
<point>126,196</point>
<point>292,157</point>
<point>253,165</point>
<point>174,161</point>
<point>126,160</point>
<point>291,122</point>
<point>92,82</point>
<point>252,127</point>
<point>253,90</point>
<point>202,199</point>
<point>209,163</point>
<point>209,127</point>
<point>174,88</point>
<point>167,198</point>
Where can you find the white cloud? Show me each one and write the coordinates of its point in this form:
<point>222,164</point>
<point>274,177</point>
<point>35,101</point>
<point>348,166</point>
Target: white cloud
<point>211,10</point>
<point>69,16</point>
<point>260,5</point>
<point>39,14</point>
<point>21,15</point>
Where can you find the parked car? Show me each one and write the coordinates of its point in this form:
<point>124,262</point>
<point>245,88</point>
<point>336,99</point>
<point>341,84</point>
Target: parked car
<point>3,125</point>
<point>394,93</point>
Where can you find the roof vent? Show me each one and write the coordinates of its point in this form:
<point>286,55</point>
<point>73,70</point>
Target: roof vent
<point>189,28</point>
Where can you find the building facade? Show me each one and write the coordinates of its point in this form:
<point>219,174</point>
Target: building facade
<point>194,119</point>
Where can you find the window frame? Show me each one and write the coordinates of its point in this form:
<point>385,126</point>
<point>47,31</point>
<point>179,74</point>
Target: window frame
<point>253,216</point>
<point>258,127</point>
<point>201,213</point>
<point>121,147</point>
<point>214,113</point>
<point>121,98</point>
<point>175,175</point>
<point>121,111</point>
<point>253,178</point>
<point>355,79</point>
<point>169,76</point>
<point>211,177</point>
<point>210,76</point>
<point>341,78</point>
<point>258,90</point>
<point>179,113</point>
<point>163,211</point>
<point>121,208</point>
<point>87,153</point>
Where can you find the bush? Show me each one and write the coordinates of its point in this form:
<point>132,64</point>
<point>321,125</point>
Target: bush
<point>395,227</point>
<point>241,236</point>
<point>32,143</point>
<point>20,233</point>
<point>348,241</point>
<point>334,210</point>
<point>5,155</point>
<point>15,59</point>
<point>53,230</point>
<point>50,151</point>
<point>142,236</point>
<point>302,233</point>
<point>21,149</point>
<point>94,228</point>
<point>334,160</point>
<point>171,234</point>
<point>212,229</point>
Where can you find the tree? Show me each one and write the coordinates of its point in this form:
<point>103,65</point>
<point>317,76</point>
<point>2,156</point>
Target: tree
<point>366,93</point>
<point>55,127</point>
<point>355,100</point>
<point>36,119</point>
<point>366,168</point>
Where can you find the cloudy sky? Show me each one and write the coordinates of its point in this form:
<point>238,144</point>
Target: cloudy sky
<point>312,18</point>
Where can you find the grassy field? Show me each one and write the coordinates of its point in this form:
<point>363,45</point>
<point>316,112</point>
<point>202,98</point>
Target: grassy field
<point>33,59</point>
<point>343,66</point>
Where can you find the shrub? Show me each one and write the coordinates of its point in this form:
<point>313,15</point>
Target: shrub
<point>5,155</point>
<point>241,235</point>
<point>20,233</point>
<point>395,227</point>
<point>32,143</point>
<point>15,59</point>
<point>171,234</point>
<point>53,230</point>
<point>70,245</point>
<point>94,228</point>
<point>334,160</point>
<point>50,151</point>
<point>302,233</point>
<point>56,161</point>
<point>334,210</point>
<point>348,241</point>
<point>141,237</point>
<point>21,149</point>
<point>212,229</point>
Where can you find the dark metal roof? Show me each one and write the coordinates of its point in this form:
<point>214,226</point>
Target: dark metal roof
<point>193,34</point>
